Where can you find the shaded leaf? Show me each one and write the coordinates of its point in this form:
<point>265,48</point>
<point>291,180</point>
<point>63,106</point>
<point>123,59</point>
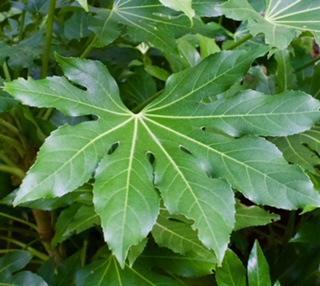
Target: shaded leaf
<point>74,220</point>
<point>253,216</point>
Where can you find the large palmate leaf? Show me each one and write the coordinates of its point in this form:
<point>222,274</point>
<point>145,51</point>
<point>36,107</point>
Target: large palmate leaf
<point>175,144</point>
<point>280,22</point>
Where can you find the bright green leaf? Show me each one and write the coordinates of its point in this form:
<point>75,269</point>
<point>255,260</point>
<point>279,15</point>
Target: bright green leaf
<point>84,4</point>
<point>180,5</point>
<point>258,268</point>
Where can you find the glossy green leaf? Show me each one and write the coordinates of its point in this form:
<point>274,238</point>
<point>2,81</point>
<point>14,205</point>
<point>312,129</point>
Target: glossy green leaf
<point>232,271</point>
<point>258,268</point>
<point>129,154</point>
<point>280,22</point>
<point>253,216</point>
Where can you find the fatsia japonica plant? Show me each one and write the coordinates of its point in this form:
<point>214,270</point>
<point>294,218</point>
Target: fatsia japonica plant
<point>160,142</point>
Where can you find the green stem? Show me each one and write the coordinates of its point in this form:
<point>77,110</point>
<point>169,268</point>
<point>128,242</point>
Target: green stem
<point>6,160</point>
<point>143,104</point>
<point>12,142</point>
<point>12,170</point>
<point>240,42</point>
<point>93,40</point>
<point>47,46</point>
<point>84,252</point>
<point>46,116</point>
<point>5,251</point>
<point>21,25</point>
<point>89,47</point>
<point>17,219</point>
<point>6,71</point>
<point>32,250</point>
<point>308,64</point>
<point>9,126</point>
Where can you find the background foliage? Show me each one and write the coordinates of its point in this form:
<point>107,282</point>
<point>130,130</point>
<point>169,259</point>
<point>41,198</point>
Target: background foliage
<point>159,142</point>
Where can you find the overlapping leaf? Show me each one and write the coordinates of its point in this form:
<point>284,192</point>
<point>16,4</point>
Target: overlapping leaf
<point>175,143</point>
<point>302,149</point>
<point>107,271</point>
<point>280,22</point>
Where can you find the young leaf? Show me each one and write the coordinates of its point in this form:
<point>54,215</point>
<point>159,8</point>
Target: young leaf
<point>258,268</point>
<point>252,216</point>
<point>117,145</point>
<point>280,22</point>
<point>232,271</point>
